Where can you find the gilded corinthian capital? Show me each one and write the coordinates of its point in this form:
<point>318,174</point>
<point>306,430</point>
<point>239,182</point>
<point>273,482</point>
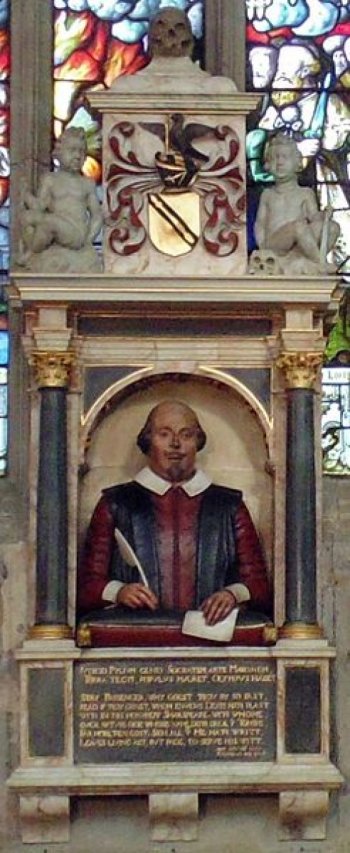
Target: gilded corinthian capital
<point>300,368</point>
<point>52,369</point>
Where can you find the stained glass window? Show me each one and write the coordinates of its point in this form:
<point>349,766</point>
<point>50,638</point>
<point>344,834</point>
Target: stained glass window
<point>336,393</point>
<point>336,420</point>
<point>4,133</point>
<point>4,357</point>
<point>96,41</point>
<point>4,217</point>
<point>298,56</point>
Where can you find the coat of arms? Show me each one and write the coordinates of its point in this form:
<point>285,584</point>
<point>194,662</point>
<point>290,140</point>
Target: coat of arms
<point>191,189</point>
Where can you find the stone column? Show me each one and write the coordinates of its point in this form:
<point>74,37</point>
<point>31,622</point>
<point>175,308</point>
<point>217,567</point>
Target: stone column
<point>31,93</point>
<point>300,371</point>
<point>52,375</point>
<point>225,40</point>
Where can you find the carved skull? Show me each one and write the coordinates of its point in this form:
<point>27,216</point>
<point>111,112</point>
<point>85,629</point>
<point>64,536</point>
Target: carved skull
<point>264,262</point>
<point>170,33</point>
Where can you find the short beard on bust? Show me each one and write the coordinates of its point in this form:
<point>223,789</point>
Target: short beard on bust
<point>176,473</point>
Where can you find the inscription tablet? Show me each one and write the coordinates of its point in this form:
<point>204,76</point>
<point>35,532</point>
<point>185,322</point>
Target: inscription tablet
<point>173,710</point>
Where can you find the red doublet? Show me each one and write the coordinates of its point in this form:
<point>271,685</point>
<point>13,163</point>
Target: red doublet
<point>176,517</point>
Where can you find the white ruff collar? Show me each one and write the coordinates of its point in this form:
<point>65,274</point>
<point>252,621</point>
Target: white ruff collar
<point>197,484</point>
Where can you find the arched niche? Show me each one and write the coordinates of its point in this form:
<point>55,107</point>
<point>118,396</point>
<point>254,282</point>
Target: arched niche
<point>238,438</point>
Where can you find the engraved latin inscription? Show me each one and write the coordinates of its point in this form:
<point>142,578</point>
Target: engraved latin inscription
<point>165,710</point>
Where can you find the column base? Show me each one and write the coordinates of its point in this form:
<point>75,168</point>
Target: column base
<point>50,632</point>
<point>300,631</point>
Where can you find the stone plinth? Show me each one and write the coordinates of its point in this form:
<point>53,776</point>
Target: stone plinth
<point>300,772</point>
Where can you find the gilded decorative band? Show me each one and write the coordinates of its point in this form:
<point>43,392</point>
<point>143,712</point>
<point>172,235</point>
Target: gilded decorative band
<point>300,631</point>
<point>50,632</point>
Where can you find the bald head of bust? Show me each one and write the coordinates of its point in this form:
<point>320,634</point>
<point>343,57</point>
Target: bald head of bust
<point>170,438</point>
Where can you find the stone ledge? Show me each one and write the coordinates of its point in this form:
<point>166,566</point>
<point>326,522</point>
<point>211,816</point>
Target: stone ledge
<point>206,777</point>
<point>230,103</point>
<point>66,650</point>
<point>107,288</point>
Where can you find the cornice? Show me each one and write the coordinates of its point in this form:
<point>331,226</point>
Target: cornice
<point>244,290</point>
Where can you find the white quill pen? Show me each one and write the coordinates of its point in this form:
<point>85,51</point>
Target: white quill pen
<point>128,554</point>
<point>194,621</point>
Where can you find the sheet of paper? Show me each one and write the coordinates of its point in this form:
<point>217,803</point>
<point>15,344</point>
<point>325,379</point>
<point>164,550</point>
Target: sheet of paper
<point>195,625</point>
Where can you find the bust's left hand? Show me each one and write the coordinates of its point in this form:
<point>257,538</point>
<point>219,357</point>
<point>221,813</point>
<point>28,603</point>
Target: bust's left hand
<point>218,605</point>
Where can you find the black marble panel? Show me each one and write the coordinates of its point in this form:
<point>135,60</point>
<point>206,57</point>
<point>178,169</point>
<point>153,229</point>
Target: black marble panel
<point>98,379</point>
<point>46,712</point>
<point>257,379</point>
<point>143,325</point>
<point>303,710</point>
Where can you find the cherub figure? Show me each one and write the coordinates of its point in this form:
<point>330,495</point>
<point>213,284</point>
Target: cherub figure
<point>289,222</point>
<point>66,211</point>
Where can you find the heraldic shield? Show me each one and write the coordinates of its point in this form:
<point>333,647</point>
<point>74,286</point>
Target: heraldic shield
<point>174,221</point>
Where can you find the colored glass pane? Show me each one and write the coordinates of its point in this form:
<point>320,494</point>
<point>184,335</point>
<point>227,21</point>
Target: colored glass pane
<point>4,133</point>
<point>5,8</point>
<point>298,56</point>
<point>3,418</point>
<point>4,347</point>
<point>336,394</point>
<point>336,420</point>
<point>3,401</point>
<point>4,140</point>
<point>96,41</point>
